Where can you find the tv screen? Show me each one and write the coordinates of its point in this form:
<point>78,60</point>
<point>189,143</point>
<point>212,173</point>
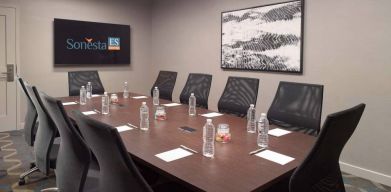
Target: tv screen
<point>80,42</point>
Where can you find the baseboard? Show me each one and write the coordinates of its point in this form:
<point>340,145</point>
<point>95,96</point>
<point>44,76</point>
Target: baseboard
<point>366,174</point>
<point>21,126</point>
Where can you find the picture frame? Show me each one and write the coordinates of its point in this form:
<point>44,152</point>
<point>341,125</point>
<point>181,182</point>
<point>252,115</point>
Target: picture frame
<point>264,38</point>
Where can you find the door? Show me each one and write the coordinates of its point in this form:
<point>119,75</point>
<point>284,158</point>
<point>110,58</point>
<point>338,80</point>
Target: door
<point>8,99</point>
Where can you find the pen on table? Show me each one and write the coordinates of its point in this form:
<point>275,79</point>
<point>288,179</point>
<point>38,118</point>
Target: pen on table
<point>192,150</point>
<point>134,126</point>
<point>256,151</point>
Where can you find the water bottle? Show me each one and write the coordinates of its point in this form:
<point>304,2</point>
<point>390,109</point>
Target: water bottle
<point>89,90</point>
<point>251,122</point>
<point>83,95</point>
<point>192,105</point>
<point>105,104</point>
<point>155,95</point>
<point>126,90</point>
<point>263,130</point>
<point>208,147</point>
<point>144,117</point>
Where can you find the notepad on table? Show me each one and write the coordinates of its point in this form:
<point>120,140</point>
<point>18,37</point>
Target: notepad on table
<point>275,157</point>
<point>69,103</point>
<point>89,112</point>
<point>213,114</point>
<point>172,104</point>
<point>277,132</point>
<point>174,154</point>
<point>123,128</point>
<point>140,97</point>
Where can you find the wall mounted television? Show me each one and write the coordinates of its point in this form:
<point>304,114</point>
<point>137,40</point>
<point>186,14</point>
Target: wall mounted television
<point>90,43</point>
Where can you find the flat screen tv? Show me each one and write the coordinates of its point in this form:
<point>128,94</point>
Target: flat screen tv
<point>90,43</point>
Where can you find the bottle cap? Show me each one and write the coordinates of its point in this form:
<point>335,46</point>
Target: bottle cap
<point>209,120</point>
<point>144,103</point>
<point>156,88</point>
<point>105,93</point>
<point>251,105</point>
<point>82,86</point>
<point>126,82</point>
<point>192,94</point>
<point>263,114</point>
<point>89,83</point>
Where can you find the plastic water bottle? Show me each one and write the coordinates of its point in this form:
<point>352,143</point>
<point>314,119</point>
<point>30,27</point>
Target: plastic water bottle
<point>263,130</point>
<point>144,117</point>
<point>251,122</point>
<point>105,104</point>
<point>192,105</point>
<point>208,147</point>
<point>83,95</point>
<point>155,95</point>
<point>126,90</point>
<point>89,90</point>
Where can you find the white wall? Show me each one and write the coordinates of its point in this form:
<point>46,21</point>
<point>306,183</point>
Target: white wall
<point>346,48</point>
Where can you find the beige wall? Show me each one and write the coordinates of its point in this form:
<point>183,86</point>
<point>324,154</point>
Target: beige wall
<point>36,42</point>
<point>346,48</point>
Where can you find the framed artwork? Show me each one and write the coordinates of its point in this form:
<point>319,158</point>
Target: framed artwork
<point>265,38</point>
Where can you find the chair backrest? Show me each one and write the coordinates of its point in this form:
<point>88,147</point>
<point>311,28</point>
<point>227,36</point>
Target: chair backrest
<point>46,132</point>
<point>166,83</point>
<point>30,120</point>
<point>320,171</point>
<point>76,79</point>
<point>238,94</point>
<point>117,170</point>
<point>74,156</point>
<point>297,105</point>
<point>199,84</point>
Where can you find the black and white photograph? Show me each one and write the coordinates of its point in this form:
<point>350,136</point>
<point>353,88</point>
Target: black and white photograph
<point>266,38</point>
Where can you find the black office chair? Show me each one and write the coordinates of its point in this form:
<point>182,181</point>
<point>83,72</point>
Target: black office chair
<point>165,82</point>
<point>76,79</point>
<point>30,120</point>
<point>74,157</point>
<point>238,94</point>
<point>320,171</point>
<point>44,149</point>
<point>199,84</point>
<point>117,169</point>
<point>297,107</point>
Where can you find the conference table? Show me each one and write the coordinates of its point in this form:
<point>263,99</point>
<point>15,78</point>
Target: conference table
<point>232,168</point>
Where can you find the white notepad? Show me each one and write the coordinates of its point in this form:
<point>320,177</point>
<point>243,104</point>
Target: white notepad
<point>69,103</point>
<point>172,104</point>
<point>275,157</point>
<point>213,114</point>
<point>140,97</point>
<point>123,128</point>
<point>174,154</point>
<point>89,112</point>
<point>95,95</point>
<point>277,132</point>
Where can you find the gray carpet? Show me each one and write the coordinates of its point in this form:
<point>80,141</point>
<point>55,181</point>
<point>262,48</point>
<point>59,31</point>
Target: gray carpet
<point>15,158</point>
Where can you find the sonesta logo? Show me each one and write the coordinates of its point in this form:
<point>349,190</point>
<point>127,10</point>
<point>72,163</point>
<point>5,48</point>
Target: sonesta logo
<point>113,44</point>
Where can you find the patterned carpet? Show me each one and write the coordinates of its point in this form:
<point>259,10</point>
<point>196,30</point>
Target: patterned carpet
<point>15,158</point>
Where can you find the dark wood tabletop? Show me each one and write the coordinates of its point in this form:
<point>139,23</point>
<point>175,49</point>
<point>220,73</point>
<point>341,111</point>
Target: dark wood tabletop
<point>232,168</point>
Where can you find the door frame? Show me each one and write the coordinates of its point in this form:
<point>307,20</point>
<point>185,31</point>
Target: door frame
<point>19,118</point>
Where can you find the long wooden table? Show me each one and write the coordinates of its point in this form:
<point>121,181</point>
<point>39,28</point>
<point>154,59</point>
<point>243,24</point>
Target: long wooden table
<point>232,169</point>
